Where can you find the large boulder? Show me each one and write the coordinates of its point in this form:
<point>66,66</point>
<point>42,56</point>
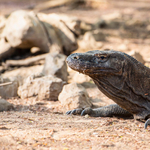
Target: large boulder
<point>74,96</point>
<point>92,40</point>
<point>2,22</point>
<point>62,31</point>
<point>41,87</point>
<point>24,30</point>
<point>55,65</point>
<point>50,33</point>
<point>73,23</point>
<point>6,49</point>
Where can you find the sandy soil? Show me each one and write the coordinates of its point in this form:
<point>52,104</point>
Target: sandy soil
<point>42,125</point>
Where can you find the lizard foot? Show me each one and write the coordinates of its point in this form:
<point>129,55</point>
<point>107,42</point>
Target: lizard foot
<point>87,111</point>
<point>147,123</point>
<point>75,111</point>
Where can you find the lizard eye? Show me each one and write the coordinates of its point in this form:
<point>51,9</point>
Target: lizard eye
<point>101,57</point>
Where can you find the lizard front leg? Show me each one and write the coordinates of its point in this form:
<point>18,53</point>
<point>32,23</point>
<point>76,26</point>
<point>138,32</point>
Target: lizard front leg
<point>106,111</point>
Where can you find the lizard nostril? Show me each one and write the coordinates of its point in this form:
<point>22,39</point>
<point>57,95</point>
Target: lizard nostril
<point>76,57</point>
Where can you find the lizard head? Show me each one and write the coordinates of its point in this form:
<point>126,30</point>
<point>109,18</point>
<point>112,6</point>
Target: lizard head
<point>97,63</point>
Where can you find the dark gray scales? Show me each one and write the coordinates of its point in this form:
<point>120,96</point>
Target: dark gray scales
<point>106,111</point>
<point>121,78</point>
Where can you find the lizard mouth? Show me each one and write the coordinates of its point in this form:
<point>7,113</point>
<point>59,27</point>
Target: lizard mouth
<point>99,71</point>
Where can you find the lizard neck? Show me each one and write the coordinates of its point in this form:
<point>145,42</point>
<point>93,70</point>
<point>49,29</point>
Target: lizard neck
<point>131,90</point>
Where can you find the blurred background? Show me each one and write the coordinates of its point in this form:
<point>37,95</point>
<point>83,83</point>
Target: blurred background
<point>124,24</point>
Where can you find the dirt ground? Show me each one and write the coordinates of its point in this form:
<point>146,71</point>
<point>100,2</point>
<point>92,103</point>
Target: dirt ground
<point>42,125</point>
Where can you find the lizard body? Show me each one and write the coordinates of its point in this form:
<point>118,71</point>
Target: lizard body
<point>121,78</point>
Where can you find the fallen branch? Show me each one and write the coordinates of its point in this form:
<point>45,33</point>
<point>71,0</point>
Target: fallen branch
<point>58,3</point>
<point>51,4</point>
<point>3,84</point>
<point>25,62</point>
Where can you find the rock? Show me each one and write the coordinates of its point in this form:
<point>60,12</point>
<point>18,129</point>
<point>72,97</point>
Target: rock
<point>101,23</point>
<point>122,47</point>
<point>6,49</point>
<point>86,27</point>
<point>24,30</point>
<point>112,16</point>
<point>42,87</point>
<point>148,27</point>
<point>98,35</point>
<point>72,22</point>
<point>137,56</point>
<point>134,23</point>
<point>10,90</point>
<point>5,106</point>
<point>2,22</point>
<point>92,40</point>
<point>55,65</point>
<point>112,20</point>
<point>60,31</point>
<point>80,78</point>
<point>53,36</point>
<point>74,96</point>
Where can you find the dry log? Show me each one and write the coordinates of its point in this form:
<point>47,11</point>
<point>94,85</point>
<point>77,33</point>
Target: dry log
<point>58,3</point>
<point>51,4</point>
<point>3,84</point>
<point>25,62</point>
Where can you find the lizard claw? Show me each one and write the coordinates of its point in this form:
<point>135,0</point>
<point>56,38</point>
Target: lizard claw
<point>86,111</point>
<point>79,111</point>
<point>147,123</point>
<point>74,111</point>
<point>68,112</point>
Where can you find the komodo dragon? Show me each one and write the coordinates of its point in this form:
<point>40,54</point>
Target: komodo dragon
<point>120,77</point>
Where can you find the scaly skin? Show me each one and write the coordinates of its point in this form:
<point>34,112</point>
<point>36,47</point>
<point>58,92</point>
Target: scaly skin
<point>120,77</point>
